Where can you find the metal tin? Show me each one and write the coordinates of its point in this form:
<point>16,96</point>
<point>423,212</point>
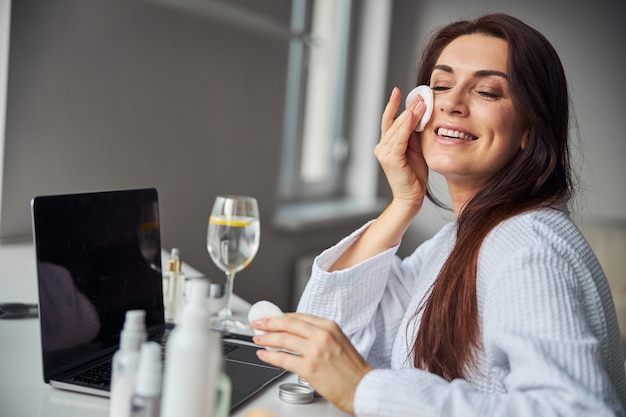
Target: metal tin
<point>295,393</point>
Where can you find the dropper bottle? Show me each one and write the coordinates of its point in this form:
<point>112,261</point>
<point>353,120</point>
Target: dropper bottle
<point>125,363</point>
<point>146,401</point>
<point>173,287</point>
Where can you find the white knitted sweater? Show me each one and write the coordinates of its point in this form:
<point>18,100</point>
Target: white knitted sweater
<point>550,339</point>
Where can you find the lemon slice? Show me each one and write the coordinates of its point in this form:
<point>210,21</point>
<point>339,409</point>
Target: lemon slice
<point>232,222</point>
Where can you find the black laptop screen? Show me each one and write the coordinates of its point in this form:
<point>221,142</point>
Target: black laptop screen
<point>98,255</point>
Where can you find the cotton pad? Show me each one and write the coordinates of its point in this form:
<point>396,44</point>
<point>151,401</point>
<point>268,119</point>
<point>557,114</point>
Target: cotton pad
<point>427,95</point>
<point>262,309</point>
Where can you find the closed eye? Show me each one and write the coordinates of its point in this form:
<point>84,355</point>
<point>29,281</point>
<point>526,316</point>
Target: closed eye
<point>489,95</point>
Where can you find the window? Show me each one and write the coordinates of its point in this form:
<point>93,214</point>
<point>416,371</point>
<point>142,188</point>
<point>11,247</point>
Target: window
<point>315,144</point>
<point>335,96</point>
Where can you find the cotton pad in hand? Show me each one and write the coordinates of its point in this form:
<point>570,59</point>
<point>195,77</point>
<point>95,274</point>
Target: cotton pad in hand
<point>262,309</point>
<point>427,95</point>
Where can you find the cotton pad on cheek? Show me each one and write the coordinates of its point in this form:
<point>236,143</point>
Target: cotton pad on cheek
<point>427,95</point>
<point>262,309</point>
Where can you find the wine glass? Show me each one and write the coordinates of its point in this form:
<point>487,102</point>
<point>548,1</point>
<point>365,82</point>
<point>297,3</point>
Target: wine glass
<point>232,241</point>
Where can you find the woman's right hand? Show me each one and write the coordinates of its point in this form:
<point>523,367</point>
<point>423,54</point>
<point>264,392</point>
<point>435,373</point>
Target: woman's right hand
<point>399,151</point>
<point>400,155</point>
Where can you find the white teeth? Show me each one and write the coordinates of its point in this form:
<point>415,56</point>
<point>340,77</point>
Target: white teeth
<point>454,134</point>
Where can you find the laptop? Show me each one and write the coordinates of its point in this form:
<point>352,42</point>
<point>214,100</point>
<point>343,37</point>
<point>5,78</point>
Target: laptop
<point>98,255</point>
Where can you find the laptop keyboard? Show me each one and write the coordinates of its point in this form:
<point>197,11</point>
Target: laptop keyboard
<point>99,375</point>
<point>96,376</point>
<point>228,347</point>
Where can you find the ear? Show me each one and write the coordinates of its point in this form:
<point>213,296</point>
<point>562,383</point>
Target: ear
<point>525,138</point>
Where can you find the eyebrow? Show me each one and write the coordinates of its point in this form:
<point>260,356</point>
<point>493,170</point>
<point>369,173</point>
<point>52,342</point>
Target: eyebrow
<point>479,74</point>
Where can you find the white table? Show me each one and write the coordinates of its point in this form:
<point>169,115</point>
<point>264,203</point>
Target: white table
<point>22,390</point>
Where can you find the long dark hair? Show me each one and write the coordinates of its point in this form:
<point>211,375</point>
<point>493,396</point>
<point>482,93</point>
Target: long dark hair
<point>538,176</point>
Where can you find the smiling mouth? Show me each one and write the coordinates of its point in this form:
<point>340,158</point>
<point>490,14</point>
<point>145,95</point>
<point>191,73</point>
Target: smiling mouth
<point>455,134</point>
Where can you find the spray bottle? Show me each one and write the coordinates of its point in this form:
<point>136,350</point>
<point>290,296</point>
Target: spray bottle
<point>125,363</point>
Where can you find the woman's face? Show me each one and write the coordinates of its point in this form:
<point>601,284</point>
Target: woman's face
<point>475,130</point>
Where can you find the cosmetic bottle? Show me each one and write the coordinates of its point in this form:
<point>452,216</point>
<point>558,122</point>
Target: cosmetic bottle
<point>146,401</point>
<point>191,364</point>
<point>173,287</point>
<point>125,363</point>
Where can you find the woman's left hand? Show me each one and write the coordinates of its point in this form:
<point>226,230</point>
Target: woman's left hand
<point>325,357</point>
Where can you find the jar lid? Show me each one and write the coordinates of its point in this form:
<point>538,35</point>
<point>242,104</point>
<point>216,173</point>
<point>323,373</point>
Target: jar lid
<point>295,393</point>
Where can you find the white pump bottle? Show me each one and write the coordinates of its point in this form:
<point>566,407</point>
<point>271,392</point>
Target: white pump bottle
<point>191,361</point>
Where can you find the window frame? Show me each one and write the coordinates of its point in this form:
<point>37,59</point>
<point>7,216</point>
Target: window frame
<point>300,120</point>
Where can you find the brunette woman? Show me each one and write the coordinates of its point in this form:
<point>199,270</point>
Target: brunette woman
<point>504,312</point>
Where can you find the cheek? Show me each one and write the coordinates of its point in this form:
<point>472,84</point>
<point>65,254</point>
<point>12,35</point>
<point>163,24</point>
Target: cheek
<point>508,132</point>
<point>501,153</point>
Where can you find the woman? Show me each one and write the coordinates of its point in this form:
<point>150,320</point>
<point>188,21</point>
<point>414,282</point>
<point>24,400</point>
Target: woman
<point>505,311</point>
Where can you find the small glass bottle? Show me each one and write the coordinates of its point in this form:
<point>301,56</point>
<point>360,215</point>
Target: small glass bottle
<point>173,287</point>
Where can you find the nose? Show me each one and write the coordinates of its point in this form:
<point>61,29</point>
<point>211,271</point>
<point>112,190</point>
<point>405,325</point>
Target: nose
<point>452,101</point>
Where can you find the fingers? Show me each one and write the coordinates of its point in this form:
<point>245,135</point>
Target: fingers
<point>400,129</point>
<point>284,360</point>
<point>293,331</point>
<point>391,109</point>
<point>289,331</point>
<point>291,334</point>
<point>391,151</point>
<point>291,322</point>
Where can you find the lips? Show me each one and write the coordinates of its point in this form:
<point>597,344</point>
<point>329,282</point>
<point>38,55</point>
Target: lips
<point>455,134</point>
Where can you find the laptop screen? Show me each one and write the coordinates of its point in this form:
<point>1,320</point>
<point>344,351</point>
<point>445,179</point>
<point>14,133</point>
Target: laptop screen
<point>98,255</point>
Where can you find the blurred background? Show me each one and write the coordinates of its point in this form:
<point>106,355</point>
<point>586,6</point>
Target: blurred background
<point>278,99</point>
